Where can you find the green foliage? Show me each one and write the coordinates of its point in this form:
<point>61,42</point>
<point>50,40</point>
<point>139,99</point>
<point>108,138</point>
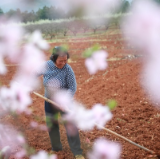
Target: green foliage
<point>64,48</point>
<point>1,11</point>
<point>44,13</point>
<point>89,51</point>
<point>125,6</point>
<point>158,1</point>
<point>51,120</point>
<point>111,104</point>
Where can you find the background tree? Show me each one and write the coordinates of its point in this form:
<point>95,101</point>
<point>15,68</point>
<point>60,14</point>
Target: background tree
<point>158,1</point>
<point>53,13</point>
<point>1,11</point>
<point>11,13</point>
<point>125,6</point>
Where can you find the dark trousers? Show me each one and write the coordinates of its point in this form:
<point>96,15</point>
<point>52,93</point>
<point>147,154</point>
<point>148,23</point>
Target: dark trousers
<point>52,123</point>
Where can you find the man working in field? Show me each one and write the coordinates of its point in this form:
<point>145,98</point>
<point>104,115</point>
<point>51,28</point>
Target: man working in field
<point>59,74</point>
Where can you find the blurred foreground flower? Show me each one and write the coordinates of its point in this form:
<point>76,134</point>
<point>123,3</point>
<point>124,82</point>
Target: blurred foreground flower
<point>91,8</point>
<point>151,80</point>
<point>141,27</point>
<point>16,98</point>
<point>86,119</point>
<point>104,149</point>
<point>5,152</point>
<point>31,59</point>
<point>96,62</point>
<point>142,30</point>
<point>36,38</point>
<point>43,155</point>
<point>63,98</point>
<point>102,114</point>
<point>10,39</point>
<point>12,138</point>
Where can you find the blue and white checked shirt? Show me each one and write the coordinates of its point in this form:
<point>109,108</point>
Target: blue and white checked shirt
<point>59,78</point>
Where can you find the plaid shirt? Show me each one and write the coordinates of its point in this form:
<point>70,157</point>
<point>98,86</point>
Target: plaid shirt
<point>54,77</point>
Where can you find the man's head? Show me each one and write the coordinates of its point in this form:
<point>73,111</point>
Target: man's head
<point>59,56</point>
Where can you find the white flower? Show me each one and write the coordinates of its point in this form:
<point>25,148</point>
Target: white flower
<point>101,114</point>
<point>104,149</point>
<point>96,62</point>
<point>36,38</point>
<point>43,155</point>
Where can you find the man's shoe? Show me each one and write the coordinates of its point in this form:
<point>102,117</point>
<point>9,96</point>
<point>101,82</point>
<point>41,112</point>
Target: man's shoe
<point>56,149</point>
<point>79,156</point>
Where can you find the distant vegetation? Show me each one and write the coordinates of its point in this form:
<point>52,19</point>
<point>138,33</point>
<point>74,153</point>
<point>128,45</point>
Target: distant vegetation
<point>51,13</point>
<point>73,26</point>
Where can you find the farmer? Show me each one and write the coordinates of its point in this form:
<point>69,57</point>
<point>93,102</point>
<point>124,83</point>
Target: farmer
<point>58,73</point>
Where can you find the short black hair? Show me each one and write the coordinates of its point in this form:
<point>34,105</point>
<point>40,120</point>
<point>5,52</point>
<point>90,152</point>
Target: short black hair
<point>58,51</point>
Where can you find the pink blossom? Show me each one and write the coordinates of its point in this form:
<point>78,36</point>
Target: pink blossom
<point>43,155</point>
<point>101,114</point>
<point>21,139</point>
<point>151,80</point>
<point>104,149</point>
<point>20,154</point>
<point>34,124</point>
<point>142,26</point>
<point>33,60</point>
<point>43,127</point>
<point>16,98</point>
<point>81,117</point>
<point>36,38</point>
<point>86,119</point>
<point>10,137</point>
<point>11,36</point>
<point>87,140</point>
<point>142,29</point>
<point>63,98</point>
<point>96,62</point>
